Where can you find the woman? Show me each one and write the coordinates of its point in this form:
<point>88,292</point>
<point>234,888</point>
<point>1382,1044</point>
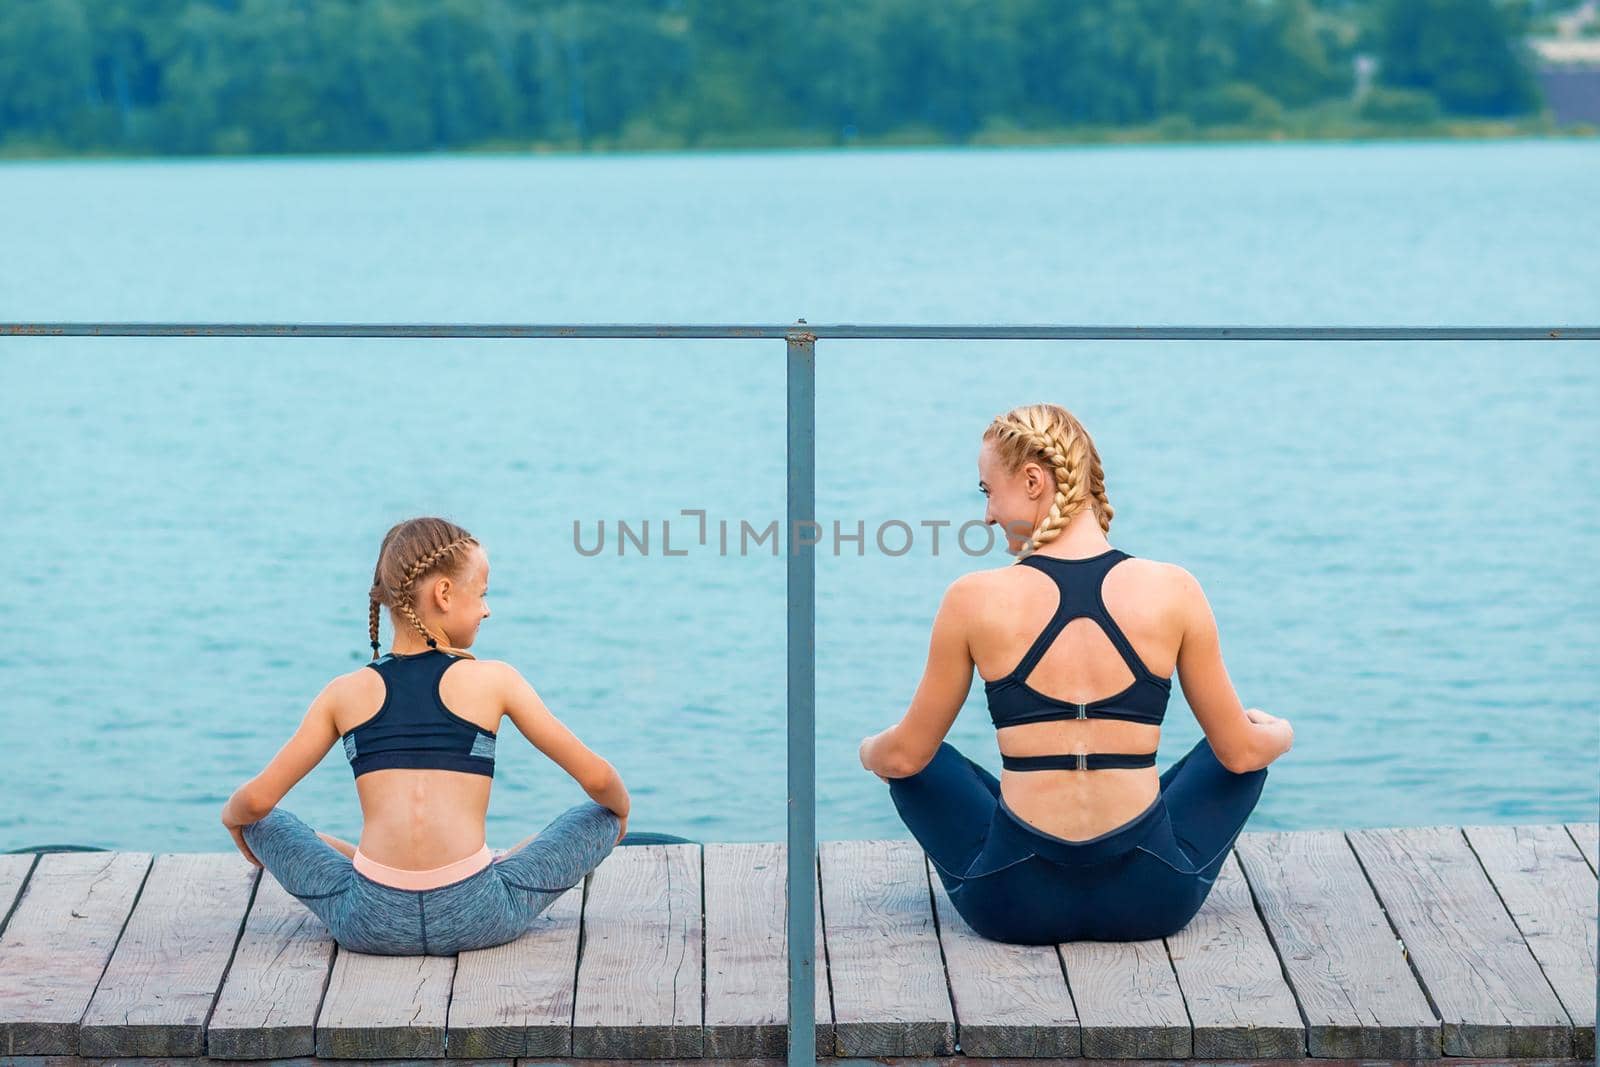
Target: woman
<point>419,726</point>
<point>1079,839</point>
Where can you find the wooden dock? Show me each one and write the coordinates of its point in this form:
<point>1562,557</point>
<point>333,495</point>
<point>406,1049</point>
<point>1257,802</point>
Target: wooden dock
<point>1385,944</point>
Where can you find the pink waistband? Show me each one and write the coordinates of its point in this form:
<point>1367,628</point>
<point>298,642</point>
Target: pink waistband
<point>432,878</point>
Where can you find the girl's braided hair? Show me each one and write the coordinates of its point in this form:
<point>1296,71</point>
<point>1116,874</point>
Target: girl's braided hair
<point>413,550</point>
<point>1049,435</point>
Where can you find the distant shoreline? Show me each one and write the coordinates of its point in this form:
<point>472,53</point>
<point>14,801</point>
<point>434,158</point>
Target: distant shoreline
<point>1167,132</point>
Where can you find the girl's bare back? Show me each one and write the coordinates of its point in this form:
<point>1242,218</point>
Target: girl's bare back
<point>421,818</point>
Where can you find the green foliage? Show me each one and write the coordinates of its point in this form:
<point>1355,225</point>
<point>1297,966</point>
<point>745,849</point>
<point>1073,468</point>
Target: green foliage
<point>1408,107</point>
<point>1235,104</point>
<point>240,76</point>
<point>1468,53</point>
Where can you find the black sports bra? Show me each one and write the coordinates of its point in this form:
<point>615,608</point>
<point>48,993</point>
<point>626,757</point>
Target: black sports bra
<point>413,728</point>
<point>1013,701</point>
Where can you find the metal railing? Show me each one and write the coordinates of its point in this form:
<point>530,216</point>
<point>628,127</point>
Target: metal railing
<point>801,339</point>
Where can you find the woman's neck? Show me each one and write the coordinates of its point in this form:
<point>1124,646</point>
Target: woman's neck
<point>1081,538</point>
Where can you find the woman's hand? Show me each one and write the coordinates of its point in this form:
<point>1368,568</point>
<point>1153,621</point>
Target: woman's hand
<point>1280,727</point>
<point>861,754</point>
<point>621,830</point>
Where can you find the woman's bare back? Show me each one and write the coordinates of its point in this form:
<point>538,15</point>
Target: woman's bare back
<point>1142,596</point>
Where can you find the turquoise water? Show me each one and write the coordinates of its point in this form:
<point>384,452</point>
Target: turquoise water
<point>1399,540</point>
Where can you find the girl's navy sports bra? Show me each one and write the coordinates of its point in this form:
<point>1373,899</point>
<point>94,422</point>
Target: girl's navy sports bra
<point>1013,701</point>
<point>413,728</point>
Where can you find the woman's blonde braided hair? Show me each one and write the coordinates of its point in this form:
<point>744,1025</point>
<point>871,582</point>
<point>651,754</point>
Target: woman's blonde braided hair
<point>1049,435</point>
<point>413,550</point>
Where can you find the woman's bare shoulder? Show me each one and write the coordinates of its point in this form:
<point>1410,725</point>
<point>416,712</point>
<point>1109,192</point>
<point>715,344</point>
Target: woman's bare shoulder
<point>1174,576</point>
<point>1145,581</point>
<point>1156,570</point>
<point>1168,586</point>
<point>973,586</point>
<point>1140,567</point>
<point>980,595</point>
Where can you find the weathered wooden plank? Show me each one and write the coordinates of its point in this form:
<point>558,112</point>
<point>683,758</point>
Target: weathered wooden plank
<point>1010,1000</point>
<point>747,971</point>
<point>889,991</point>
<point>1534,870</point>
<point>269,1000</point>
<point>823,1008</point>
<point>1238,1002</point>
<point>385,1007</point>
<point>516,999</point>
<point>1549,889</point>
<point>1488,989</point>
<point>14,868</point>
<point>56,945</point>
<point>1587,835</point>
<point>164,976</point>
<point>956,1060</point>
<point>638,992</point>
<point>1128,999</point>
<point>1355,990</point>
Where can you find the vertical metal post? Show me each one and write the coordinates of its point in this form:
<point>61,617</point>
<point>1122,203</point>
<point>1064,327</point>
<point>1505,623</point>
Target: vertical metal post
<point>802,692</point>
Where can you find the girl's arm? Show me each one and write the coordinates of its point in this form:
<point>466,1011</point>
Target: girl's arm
<point>311,741</point>
<point>598,778</point>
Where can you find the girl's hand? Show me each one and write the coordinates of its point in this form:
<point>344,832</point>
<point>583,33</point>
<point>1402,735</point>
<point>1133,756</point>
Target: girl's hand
<point>623,829</point>
<point>238,839</point>
<point>235,827</point>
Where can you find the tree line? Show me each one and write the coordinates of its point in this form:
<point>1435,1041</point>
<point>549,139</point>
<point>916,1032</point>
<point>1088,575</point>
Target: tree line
<point>271,76</point>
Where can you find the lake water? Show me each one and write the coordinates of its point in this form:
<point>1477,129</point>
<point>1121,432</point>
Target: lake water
<point>1399,540</point>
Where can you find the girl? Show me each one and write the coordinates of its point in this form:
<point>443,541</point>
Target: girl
<point>419,726</point>
<point>1079,839</point>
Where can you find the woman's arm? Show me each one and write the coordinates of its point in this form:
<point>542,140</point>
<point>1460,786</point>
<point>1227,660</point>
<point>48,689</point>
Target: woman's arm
<point>906,747</point>
<point>598,778</point>
<point>1242,741</point>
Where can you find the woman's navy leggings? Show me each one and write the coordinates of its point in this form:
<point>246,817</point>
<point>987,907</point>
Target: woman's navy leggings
<point>1012,882</point>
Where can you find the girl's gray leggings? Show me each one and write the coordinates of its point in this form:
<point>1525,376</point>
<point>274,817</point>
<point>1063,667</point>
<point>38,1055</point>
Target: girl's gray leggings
<point>491,907</point>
